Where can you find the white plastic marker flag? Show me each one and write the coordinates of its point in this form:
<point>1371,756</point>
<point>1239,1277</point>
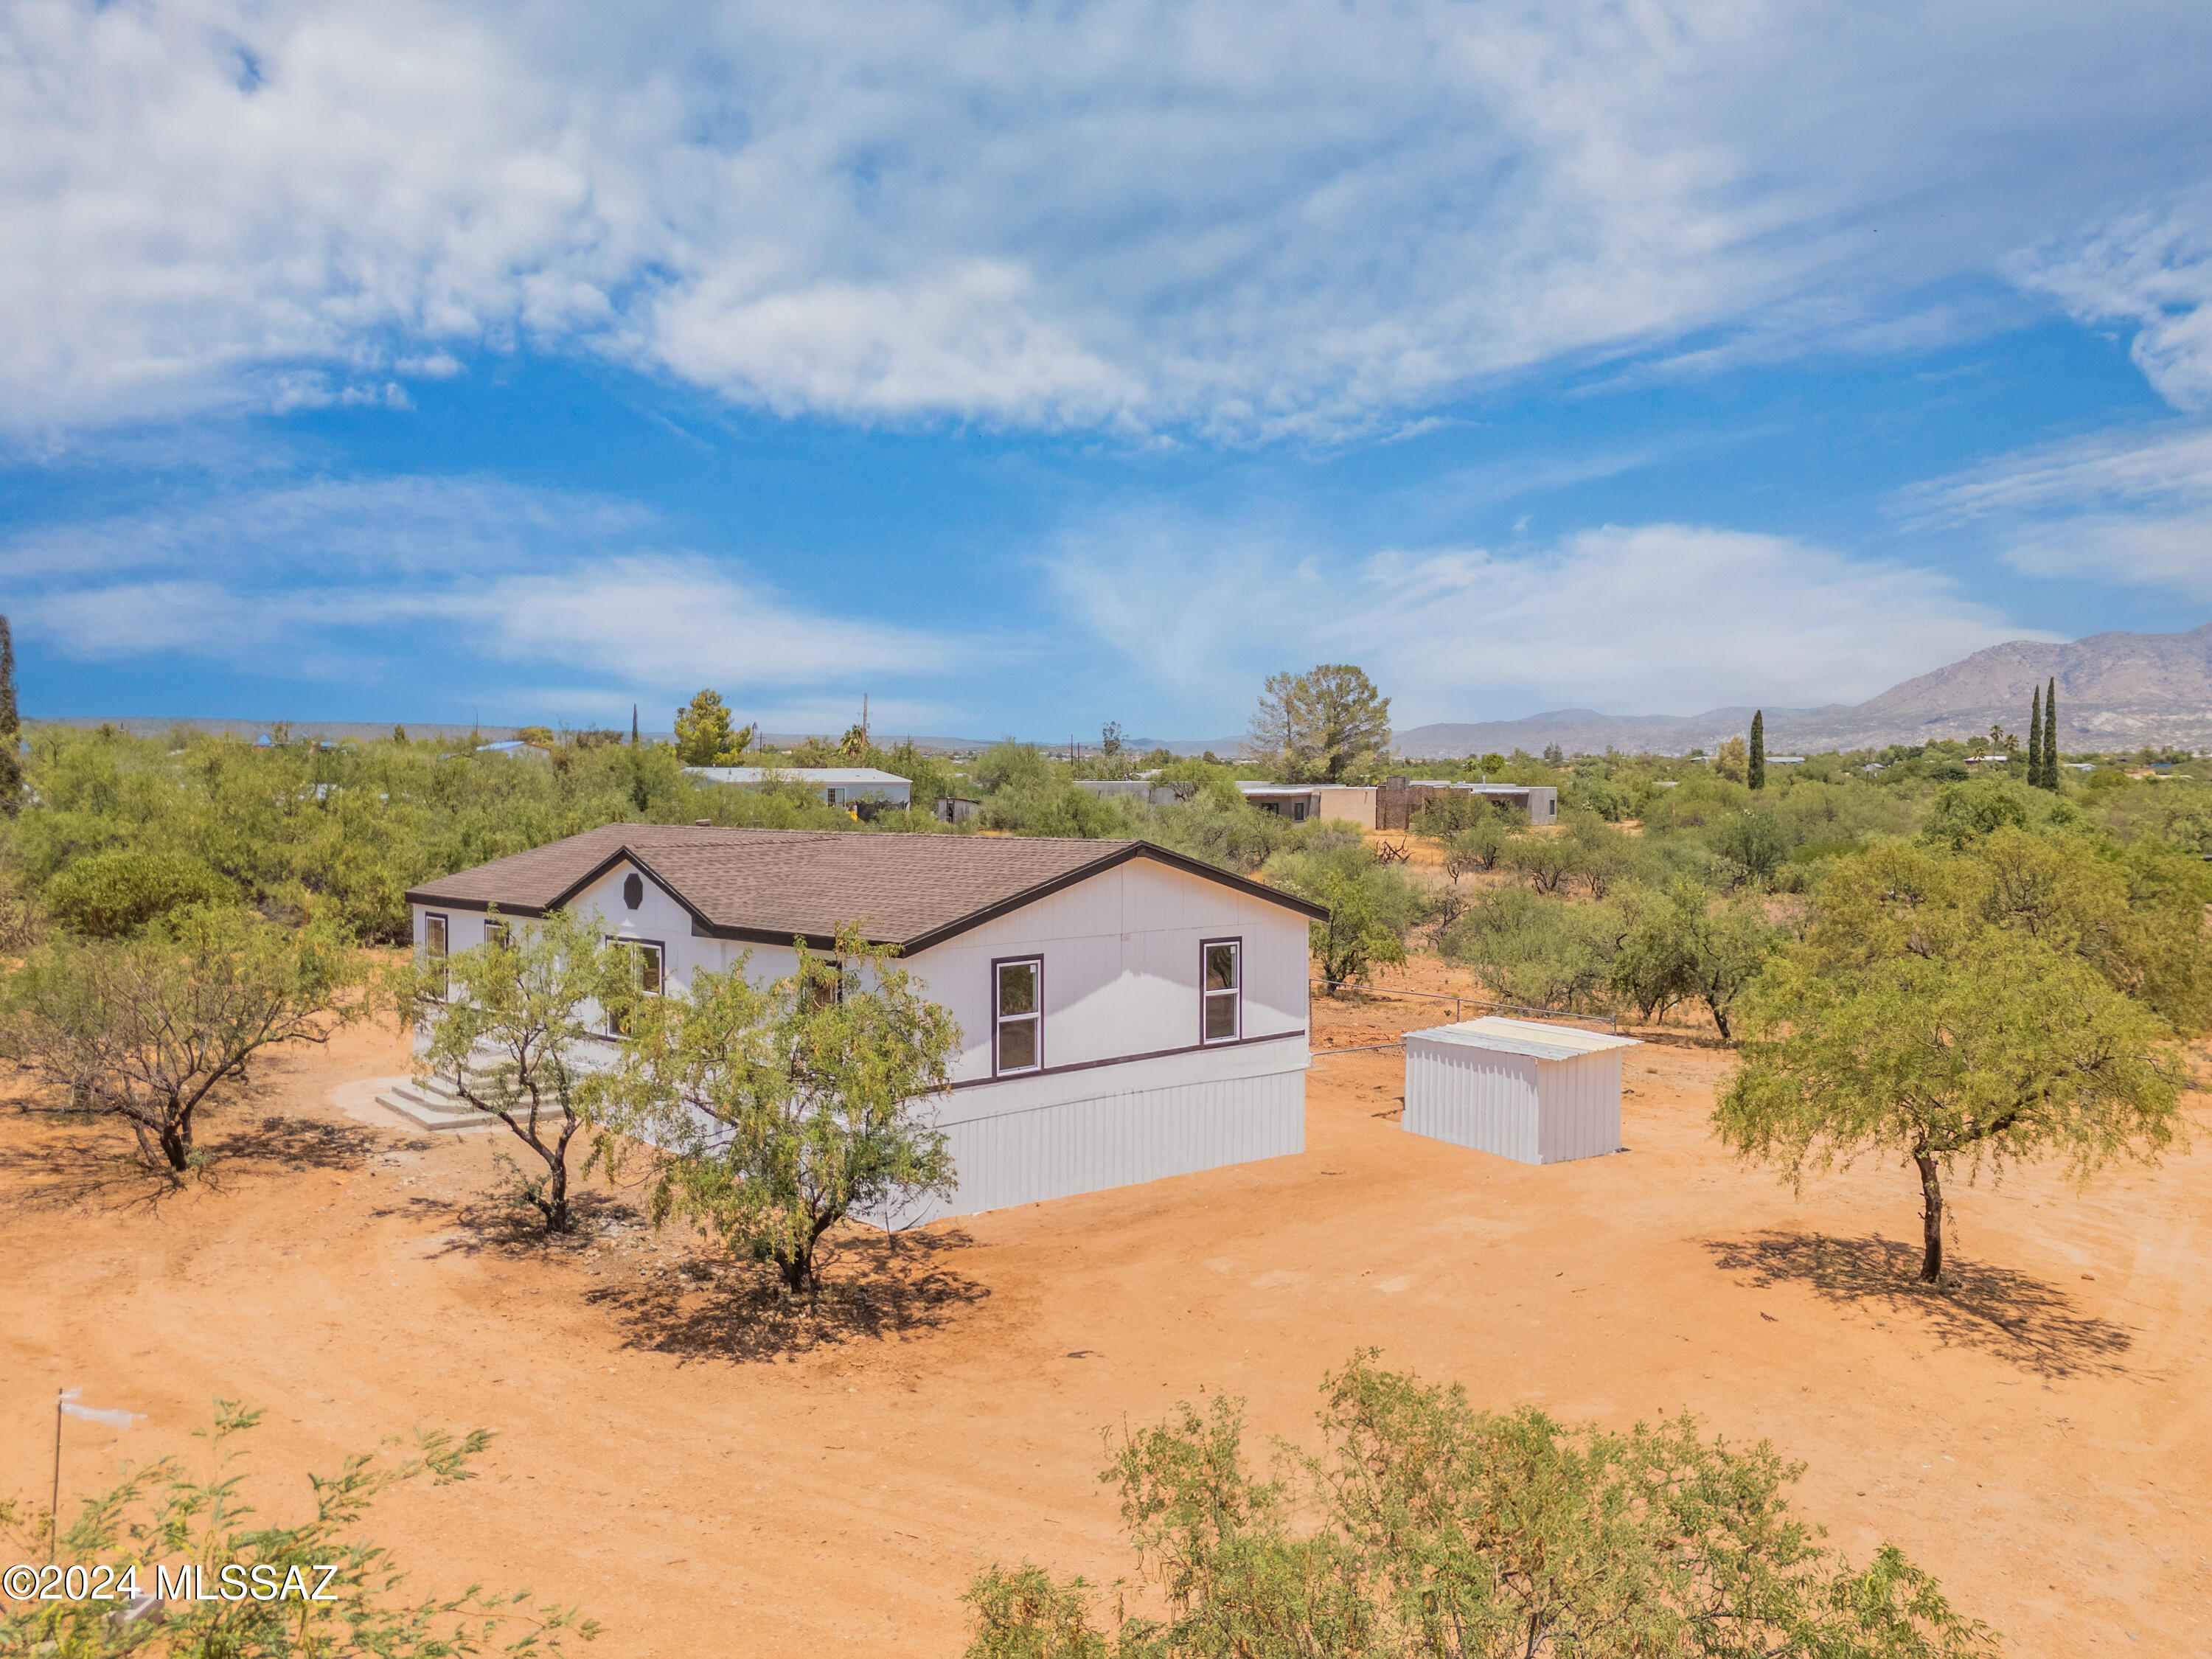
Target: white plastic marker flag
<point>114,1419</point>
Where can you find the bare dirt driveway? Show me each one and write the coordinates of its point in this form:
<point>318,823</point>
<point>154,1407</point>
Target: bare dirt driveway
<point>710,1476</point>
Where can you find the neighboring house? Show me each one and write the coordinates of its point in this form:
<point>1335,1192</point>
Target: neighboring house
<point>1127,1013</point>
<point>1399,798</point>
<point>515,749</point>
<point>1785,760</point>
<point>837,786</point>
<point>1333,803</point>
<point>1143,789</point>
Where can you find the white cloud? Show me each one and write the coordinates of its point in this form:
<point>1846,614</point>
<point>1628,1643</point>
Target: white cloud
<point>349,578</point>
<point>1235,215</point>
<point>1646,619</point>
<point>2153,271</point>
<point>2133,508</point>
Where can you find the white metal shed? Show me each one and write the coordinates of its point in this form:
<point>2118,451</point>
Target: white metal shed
<point>1524,1089</point>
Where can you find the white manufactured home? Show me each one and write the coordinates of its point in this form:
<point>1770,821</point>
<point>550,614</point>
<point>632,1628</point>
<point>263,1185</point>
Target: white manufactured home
<point>1126,1013</point>
<point>1524,1088</point>
<point>837,786</point>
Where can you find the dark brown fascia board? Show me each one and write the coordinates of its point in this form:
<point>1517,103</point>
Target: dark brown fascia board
<point>1135,849</point>
<point>702,928</point>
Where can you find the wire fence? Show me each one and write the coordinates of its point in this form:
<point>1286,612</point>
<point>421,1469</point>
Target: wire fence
<point>1458,1007</point>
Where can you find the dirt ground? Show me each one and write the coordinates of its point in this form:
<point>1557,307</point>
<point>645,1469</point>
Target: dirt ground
<point>709,1476</point>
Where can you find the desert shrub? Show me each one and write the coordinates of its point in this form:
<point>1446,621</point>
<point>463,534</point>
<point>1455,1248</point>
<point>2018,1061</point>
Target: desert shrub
<point>113,895</point>
<point>1371,905</point>
<point>1967,811</point>
<point>160,1514</point>
<point>1011,765</point>
<point>147,1029</point>
<point>1689,947</point>
<point>1699,799</point>
<point>1811,810</point>
<point>1424,1528</point>
<point>1222,831</point>
<point>1053,808</point>
<point>1447,816</point>
<point>1546,952</point>
<point>1607,800</point>
<point>1750,845</point>
<point>1475,849</point>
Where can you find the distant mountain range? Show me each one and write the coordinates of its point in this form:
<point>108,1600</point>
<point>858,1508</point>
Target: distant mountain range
<point>2115,691</point>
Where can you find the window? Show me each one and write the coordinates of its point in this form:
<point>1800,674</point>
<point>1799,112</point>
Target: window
<point>645,972</point>
<point>1224,990</point>
<point>1019,1015</point>
<point>1298,811</point>
<point>434,951</point>
<point>498,932</point>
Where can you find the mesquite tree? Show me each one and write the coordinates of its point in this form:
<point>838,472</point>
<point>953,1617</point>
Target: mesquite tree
<point>1425,1529</point>
<point>517,1030</point>
<point>221,1575</point>
<point>147,1029</point>
<point>2001,1049</point>
<point>778,1110</point>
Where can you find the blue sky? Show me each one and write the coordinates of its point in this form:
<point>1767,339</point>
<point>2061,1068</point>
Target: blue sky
<point>1025,366</point>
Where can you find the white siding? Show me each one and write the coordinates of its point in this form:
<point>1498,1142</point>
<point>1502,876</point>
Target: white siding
<point>1128,1092</point>
<point>1117,1139</point>
<point>1122,967</point>
<point>1532,1111</point>
<point>1473,1098</point>
<point>1578,1102</point>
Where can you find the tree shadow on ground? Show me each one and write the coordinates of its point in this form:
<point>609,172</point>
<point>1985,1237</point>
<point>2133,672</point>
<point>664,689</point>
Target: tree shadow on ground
<point>501,1219</point>
<point>2012,1315</point>
<point>298,1144</point>
<point>89,1160</point>
<point>88,1169</point>
<point>705,1307</point>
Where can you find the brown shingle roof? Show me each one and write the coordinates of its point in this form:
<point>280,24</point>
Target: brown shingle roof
<point>769,885</point>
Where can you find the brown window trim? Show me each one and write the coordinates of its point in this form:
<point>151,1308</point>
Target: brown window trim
<point>1123,1060</point>
<point>997,963</point>
<point>445,931</point>
<point>659,944</point>
<point>1205,997</point>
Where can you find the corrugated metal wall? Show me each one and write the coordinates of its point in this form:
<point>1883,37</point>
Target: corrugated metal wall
<point>1473,1098</point>
<point>1115,1139</point>
<point>1533,1111</point>
<point>1580,1107</point>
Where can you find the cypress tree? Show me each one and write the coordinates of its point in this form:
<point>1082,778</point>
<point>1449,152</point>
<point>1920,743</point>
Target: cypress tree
<point>2035,740</point>
<point>11,727</point>
<point>2050,734</point>
<point>633,725</point>
<point>1757,771</point>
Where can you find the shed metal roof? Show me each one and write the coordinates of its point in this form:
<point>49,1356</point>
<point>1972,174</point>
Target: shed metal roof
<point>1523,1036</point>
<point>767,886</point>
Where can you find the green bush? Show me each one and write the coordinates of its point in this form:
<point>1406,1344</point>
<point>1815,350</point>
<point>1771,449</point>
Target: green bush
<point>1425,1529</point>
<point>1545,952</point>
<point>1371,905</point>
<point>113,895</point>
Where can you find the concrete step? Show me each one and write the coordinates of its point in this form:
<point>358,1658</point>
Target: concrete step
<point>432,1104</point>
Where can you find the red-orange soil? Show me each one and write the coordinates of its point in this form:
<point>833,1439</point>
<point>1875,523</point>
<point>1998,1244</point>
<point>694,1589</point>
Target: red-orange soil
<point>710,1476</point>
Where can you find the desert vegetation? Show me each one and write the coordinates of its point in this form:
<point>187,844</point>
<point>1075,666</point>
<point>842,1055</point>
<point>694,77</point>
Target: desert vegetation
<point>1424,1528</point>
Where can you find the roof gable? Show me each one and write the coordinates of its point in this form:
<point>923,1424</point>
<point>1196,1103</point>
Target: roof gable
<point>772,885</point>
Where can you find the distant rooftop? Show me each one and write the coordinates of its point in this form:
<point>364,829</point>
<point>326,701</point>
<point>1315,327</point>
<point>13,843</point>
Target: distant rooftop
<point>829,775</point>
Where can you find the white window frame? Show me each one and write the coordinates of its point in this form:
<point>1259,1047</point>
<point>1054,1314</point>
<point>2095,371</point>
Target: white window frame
<point>437,946</point>
<point>637,948</point>
<point>1000,1019</point>
<point>1233,995</point>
